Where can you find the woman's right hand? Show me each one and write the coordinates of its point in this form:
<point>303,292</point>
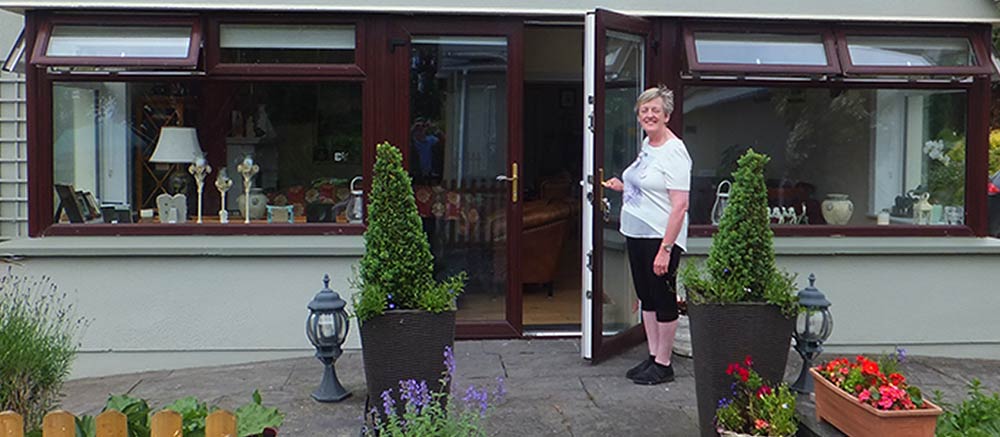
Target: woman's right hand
<point>614,184</point>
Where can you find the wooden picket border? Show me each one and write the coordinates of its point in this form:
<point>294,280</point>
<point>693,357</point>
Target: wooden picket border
<point>112,423</point>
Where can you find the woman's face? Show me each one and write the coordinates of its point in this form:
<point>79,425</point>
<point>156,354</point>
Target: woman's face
<point>651,115</point>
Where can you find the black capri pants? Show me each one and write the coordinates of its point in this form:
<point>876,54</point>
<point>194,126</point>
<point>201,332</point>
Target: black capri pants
<point>657,293</point>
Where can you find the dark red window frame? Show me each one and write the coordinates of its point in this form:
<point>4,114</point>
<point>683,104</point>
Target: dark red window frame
<point>736,28</point>
<point>214,66</point>
<point>46,25</point>
<point>977,139</point>
<point>40,141</point>
<point>973,35</point>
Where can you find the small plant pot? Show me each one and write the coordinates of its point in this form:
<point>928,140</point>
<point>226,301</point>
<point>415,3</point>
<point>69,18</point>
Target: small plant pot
<point>858,419</point>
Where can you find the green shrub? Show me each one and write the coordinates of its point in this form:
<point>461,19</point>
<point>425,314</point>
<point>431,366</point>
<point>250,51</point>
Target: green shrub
<point>977,416</point>
<point>251,418</point>
<point>397,268</point>
<point>38,340</point>
<point>740,265</point>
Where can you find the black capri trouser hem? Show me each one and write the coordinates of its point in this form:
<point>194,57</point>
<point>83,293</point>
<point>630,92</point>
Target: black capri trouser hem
<point>657,293</point>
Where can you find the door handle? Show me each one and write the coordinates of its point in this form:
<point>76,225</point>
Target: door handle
<point>599,184</point>
<point>513,181</point>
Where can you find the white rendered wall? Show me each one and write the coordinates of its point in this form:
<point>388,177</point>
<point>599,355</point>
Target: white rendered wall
<point>166,312</point>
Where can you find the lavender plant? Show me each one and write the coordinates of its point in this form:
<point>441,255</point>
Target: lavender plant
<point>432,413</point>
<point>38,340</point>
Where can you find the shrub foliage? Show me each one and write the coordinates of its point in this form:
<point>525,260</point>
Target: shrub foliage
<point>38,332</point>
<point>740,265</point>
<point>397,269</point>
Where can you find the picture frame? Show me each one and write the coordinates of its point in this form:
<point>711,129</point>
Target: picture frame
<point>68,204</point>
<point>82,204</point>
<point>92,205</point>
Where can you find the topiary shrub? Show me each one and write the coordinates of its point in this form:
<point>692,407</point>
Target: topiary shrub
<point>38,340</point>
<point>740,265</point>
<point>397,268</point>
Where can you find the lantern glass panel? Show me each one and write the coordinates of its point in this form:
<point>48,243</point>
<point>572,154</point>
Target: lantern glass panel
<point>809,325</point>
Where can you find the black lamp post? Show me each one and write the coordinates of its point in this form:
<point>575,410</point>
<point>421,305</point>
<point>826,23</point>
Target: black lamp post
<point>812,328</point>
<point>326,328</point>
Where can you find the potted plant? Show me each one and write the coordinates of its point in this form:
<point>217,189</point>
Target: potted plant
<point>739,304</point>
<point>867,397</point>
<point>407,317</point>
<point>755,407</point>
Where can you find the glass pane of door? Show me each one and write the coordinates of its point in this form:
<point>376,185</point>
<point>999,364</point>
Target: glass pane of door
<point>457,147</point>
<point>760,48</point>
<point>623,78</point>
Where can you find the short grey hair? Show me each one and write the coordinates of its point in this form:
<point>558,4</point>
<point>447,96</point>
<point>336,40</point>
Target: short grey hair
<point>662,92</point>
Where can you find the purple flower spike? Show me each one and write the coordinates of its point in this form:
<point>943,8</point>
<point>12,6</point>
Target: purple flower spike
<point>449,361</point>
<point>501,391</point>
<point>900,354</point>
<point>388,402</point>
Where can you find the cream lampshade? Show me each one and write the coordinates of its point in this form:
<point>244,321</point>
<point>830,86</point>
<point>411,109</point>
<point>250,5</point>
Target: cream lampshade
<point>177,144</point>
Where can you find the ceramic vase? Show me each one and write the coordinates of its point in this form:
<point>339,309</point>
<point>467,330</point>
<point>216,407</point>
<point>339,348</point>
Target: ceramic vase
<point>258,204</point>
<point>837,209</point>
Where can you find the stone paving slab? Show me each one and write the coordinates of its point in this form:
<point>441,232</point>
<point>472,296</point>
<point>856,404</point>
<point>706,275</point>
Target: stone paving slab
<point>551,390</point>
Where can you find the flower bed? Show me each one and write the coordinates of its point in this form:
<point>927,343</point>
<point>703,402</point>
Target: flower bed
<point>755,407</point>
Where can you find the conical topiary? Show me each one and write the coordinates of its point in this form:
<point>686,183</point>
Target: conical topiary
<point>740,266</point>
<point>397,268</point>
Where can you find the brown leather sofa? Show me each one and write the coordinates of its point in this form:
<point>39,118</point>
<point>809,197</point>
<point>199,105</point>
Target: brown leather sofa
<point>545,227</point>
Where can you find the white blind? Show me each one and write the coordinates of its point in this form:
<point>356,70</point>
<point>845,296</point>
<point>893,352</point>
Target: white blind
<point>279,36</point>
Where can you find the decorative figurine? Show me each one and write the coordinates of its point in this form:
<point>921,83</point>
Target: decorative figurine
<point>248,169</point>
<point>199,169</point>
<point>223,184</point>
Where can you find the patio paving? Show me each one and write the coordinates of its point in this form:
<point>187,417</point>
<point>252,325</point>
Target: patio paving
<point>551,390</point>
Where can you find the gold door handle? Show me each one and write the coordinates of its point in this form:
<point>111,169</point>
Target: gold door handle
<point>513,181</point>
<point>600,189</point>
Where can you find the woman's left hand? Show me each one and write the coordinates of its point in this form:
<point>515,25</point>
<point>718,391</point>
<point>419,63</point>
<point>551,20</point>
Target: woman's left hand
<point>661,263</point>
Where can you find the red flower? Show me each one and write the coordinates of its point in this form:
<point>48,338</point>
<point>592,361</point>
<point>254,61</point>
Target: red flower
<point>761,424</point>
<point>897,379</point>
<point>744,374</point>
<point>748,361</point>
<point>763,391</point>
<point>869,367</point>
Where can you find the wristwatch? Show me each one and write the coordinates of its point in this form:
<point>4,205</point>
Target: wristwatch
<point>666,247</point>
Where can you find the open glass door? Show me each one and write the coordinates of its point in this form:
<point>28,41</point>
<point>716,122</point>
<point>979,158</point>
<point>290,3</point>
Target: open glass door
<point>616,64</point>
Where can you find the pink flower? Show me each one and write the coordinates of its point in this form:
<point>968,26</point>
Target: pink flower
<point>760,424</point>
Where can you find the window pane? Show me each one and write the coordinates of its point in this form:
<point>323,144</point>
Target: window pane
<point>458,146</point>
<point>286,44</point>
<point>305,139</point>
<point>759,49</point>
<point>910,51</point>
<point>120,41</point>
<point>878,148</point>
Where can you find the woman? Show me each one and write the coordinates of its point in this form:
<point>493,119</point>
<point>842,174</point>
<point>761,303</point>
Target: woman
<point>654,223</point>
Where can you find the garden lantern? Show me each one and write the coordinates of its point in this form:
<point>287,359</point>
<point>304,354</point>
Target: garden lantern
<point>326,328</point>
<point>812,328</point>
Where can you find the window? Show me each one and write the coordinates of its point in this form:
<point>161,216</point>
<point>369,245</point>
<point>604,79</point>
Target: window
<point>881,148</point>
<point>940,53</point>
<point>775,49</point>
<point>305,138</point>
<point>141,42</point>
<point>286,44</point>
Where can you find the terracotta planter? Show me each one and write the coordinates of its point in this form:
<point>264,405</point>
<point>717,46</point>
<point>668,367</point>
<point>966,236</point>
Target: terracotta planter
<point>858,419</point>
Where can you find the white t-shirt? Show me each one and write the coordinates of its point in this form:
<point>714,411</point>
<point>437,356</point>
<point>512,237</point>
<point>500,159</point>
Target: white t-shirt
<point>646,202</point>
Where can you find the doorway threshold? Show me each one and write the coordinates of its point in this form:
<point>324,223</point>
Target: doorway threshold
<point>550,331</point>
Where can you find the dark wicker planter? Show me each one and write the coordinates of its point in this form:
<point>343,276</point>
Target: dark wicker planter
<point>724,334</point>
<point>405,344</point>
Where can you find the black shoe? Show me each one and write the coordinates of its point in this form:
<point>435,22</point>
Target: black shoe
<point>655,374</point>
<point>639,367</point>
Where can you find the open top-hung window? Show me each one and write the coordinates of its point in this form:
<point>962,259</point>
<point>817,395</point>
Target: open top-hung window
<point>776,50</point>
<point>114,42</point>
<point>927,52</point>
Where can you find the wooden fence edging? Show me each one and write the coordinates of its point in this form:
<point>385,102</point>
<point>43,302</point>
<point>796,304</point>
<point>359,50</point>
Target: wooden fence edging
<point>112,423</point>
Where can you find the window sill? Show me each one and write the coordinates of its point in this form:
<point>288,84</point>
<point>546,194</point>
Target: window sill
<point>194,229</point>
<point>186,245</point>
<point>870,246</point>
